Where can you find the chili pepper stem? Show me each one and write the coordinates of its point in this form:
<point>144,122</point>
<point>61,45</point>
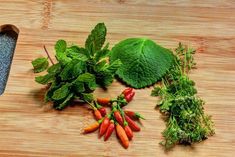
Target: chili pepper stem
<point>91,105</point>
<point>139,116</point>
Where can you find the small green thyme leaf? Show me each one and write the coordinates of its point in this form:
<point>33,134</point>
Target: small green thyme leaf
<point>186,121</point>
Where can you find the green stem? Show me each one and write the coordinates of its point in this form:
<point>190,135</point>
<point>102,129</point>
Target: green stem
<point>91,105</point>
<point>123,115</point>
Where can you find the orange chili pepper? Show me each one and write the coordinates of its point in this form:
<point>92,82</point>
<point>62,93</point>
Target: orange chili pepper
<point>92,127</point>
<point>103,101</point>
<point>122,136</point>
<point>97,114</point>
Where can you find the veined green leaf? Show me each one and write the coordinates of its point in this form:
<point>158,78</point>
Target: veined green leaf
<point>44,79</point>
<point>54,68</point>
<point>87,97</point>
<point>96,39</point>
<point>86,77</point>
<point>143,61</point>
<point>40,64</point>
<point>65,102</point>
<point>75,52</point>
<point>62,92</point>
<point>60,48</point>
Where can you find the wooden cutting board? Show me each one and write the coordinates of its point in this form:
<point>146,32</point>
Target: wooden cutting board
<point>29,128</point>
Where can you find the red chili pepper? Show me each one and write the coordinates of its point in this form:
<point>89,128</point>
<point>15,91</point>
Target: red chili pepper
<point>132,124</point>
<point>118,117</point>
<point>103,101</point>
<point>102,111</point>
<point>109,131</point>
<point>129,132</point>
<point>97,114</point>
<point>127,91</point>
<point>104,125</point>
<point>130,96</point>
<point>134,115</point>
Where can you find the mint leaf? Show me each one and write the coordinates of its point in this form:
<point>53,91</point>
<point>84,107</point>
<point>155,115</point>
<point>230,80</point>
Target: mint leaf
<point>87,97</point>
<point>60,48</point>
<point>100,66</point>
<point>79,68</point>
<point>102,53</point>
<point>79,87</point>
<point>86,77</point>
<point>104,79</point>
<point>48,95</point>
<point>65,102</point>
<point>70,71</point>
<point>143,61</point>
<point>62,92</point>
<point>96,39</point>
<point>40,64</point>
<point>54,68</point>
<point>44,79</point>
<point>112,68</point>
<point>75,52</point>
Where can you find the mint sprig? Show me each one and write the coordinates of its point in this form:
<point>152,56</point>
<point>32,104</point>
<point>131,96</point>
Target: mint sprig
<point>78,71</point>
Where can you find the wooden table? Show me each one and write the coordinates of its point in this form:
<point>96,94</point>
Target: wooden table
<point>28,128</point>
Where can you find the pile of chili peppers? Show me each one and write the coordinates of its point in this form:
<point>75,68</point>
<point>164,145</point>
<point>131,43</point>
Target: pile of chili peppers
<point>118,119</point>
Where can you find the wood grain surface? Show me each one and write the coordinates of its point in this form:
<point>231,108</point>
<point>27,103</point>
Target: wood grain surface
<point>30,128</point>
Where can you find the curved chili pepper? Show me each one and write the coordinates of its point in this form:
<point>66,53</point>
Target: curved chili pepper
<point>97,114</point>
<point>132,124</point>
<point>122,136</point>
<point>118,117</point>
<point>134,115</point>
<point>130,96</point>
<point>127,91</point>
<point>129,132</point>
<point>103,101</point>
<point>93,127</point>
<point>109,131</point>
<point>102,111</point>
<point>104,125</point>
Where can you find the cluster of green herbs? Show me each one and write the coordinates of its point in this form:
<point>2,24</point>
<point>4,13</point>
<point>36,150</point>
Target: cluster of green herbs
<point>78,71</point>
<point>186,122</point>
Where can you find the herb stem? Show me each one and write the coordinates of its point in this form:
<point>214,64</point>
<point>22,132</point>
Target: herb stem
<point>48,55</point>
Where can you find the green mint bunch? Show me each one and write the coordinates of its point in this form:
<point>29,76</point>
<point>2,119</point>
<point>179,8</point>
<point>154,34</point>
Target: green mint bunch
<point>78,71</point>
